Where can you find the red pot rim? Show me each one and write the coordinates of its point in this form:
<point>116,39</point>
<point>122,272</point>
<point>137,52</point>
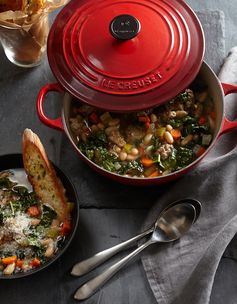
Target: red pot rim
<point>125,55</point>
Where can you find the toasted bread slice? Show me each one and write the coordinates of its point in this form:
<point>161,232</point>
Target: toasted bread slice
<point>42,175</point>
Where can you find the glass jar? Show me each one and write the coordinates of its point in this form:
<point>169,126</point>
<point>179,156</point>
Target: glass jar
<point>25,46</point>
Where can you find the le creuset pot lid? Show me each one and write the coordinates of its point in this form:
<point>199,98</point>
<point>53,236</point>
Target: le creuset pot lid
<point>125,55</point>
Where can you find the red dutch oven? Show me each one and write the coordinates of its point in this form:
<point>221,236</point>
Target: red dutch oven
<point>126,56</point>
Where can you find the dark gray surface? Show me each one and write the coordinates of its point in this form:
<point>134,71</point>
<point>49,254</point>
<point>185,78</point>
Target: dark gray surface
<point>98,228</point>
<point>229,8</point>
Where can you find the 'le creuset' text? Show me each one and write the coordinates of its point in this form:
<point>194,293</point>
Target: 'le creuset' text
<point>133,84</point>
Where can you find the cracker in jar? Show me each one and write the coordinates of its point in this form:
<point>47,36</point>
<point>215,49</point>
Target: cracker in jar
<point>34,6</point>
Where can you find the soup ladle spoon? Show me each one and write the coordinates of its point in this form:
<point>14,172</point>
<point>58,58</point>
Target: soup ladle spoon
<point>172,224</point>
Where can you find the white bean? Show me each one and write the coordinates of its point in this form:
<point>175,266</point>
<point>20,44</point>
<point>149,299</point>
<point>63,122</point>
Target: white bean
<point>181,114</point>
<point>9,269</point>
<point>168,137</point>
<point>117,149</point>
<point>134,151</point>
<point>169,128</point>
<point>147,138</point>
<point>123,155</point>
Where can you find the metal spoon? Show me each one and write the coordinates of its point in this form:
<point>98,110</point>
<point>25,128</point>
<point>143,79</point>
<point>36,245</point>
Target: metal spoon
<point>87,265</point>
<point>173,223</point>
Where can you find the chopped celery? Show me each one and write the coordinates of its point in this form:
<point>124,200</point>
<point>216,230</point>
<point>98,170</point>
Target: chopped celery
<point>128,147</point>
<point>53,232</point>
<point>160,131</point>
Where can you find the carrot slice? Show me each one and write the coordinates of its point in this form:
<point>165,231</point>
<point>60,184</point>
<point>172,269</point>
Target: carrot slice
<point>154,174</point>
<point>9,260</point>
<point>176,133</point>
<point>147,162</point>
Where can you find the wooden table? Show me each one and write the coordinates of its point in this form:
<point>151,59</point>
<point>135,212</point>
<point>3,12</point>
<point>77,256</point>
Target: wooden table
<point>104,221</point>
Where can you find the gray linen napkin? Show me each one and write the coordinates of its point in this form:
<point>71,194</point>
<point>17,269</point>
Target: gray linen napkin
<point>183,272</point>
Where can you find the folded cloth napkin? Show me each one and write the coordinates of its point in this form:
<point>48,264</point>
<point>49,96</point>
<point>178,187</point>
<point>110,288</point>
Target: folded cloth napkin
<point>183,272</point>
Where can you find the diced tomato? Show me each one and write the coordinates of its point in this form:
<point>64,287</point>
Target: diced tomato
<point>147,125</point>
<point>202,120</point>
<point>19,263</point>
<point>35,262</point>
<point>144,119</point>
<point>93,117</point>
<point>65,229</point>
<point>33,211</point>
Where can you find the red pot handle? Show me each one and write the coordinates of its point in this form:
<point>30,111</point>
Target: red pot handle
<point>52,123</point>
<point>228,125</point>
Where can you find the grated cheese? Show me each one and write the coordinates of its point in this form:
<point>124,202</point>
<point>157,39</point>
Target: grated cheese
<point>17,224</point>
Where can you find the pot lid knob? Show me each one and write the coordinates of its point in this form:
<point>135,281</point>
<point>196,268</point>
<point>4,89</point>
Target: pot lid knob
<point>125,27</point>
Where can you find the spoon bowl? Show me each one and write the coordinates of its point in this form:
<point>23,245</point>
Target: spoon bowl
<point>173,223</point>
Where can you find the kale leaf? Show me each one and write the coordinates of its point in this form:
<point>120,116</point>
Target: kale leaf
<point>48,214</point>
<point>184,157</point>
<point>133,167</point>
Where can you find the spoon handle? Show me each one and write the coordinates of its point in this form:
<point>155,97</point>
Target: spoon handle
<point>100,257</point>
<point>94,284</point>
